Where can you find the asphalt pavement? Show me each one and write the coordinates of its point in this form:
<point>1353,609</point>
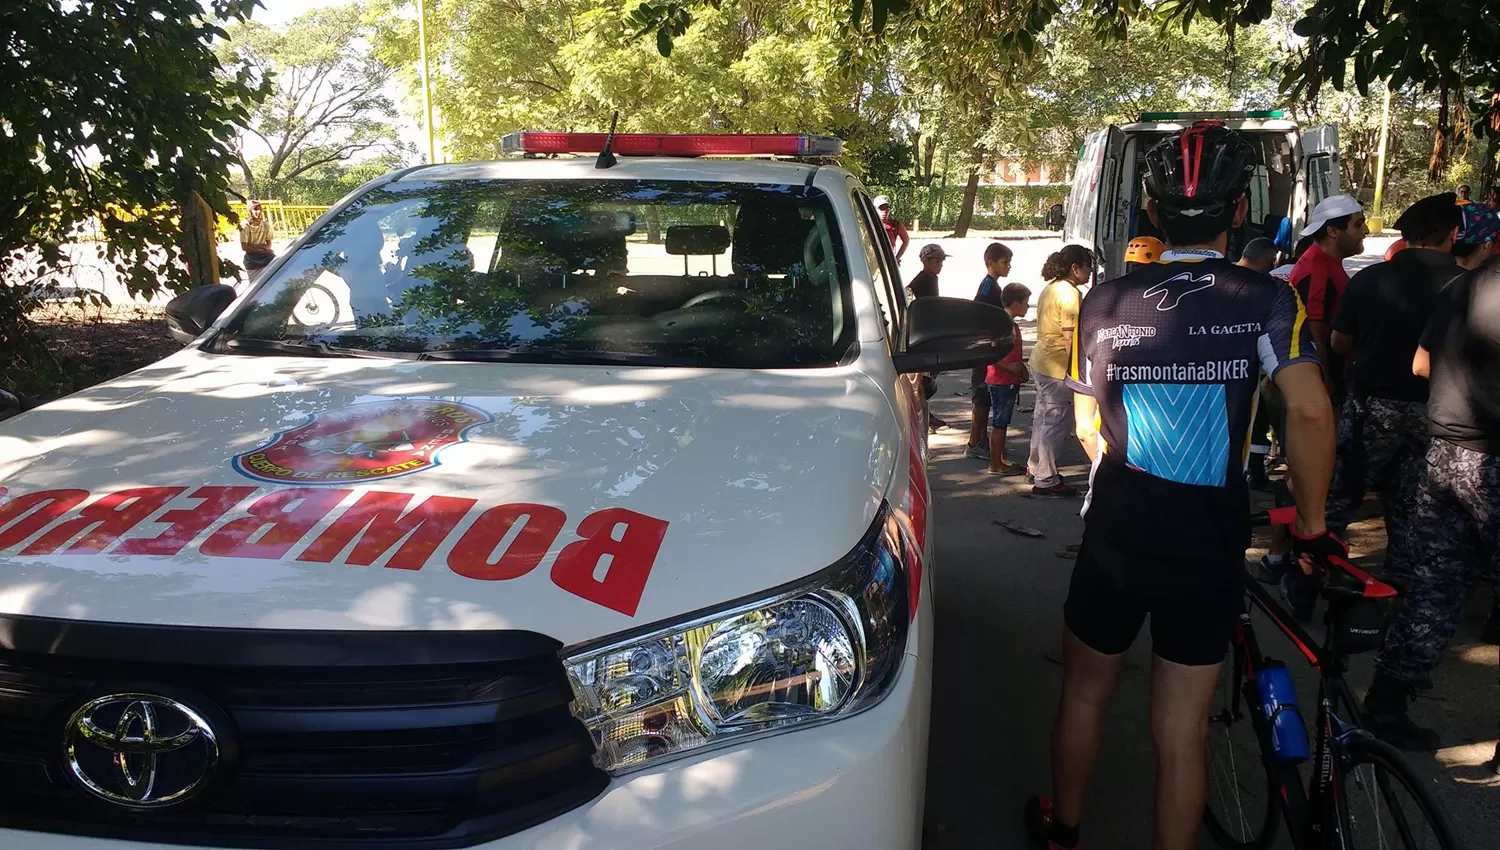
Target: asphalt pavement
<point>999,599</point>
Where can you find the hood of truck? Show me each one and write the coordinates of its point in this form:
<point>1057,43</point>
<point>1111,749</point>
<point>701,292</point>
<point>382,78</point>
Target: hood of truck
<point>301,493</point>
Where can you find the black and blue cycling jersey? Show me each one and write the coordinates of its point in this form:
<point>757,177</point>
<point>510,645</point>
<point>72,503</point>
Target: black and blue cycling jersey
<point>1173,354</point>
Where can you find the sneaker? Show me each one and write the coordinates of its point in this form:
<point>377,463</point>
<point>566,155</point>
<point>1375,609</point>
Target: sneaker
<point>1008,469</point>
<point>1039,824</point>
<point>1056,491</point>
<point>935,424</point>
<point>1386,716</point>
<point>977,453</point>
<point>1269,571</point>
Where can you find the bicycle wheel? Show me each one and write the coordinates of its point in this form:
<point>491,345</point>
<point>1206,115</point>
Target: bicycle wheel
<point>1385,804</point>
<point>1240,812</point>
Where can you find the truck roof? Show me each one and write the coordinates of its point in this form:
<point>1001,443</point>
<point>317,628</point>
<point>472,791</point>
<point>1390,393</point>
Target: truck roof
<point>1268,125</point>
<point>628,168</point>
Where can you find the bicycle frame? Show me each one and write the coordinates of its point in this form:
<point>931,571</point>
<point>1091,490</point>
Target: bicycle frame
<point>1313,814</point>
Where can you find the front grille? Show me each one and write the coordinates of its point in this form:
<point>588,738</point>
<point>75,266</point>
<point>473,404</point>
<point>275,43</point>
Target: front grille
<point>335,739</point>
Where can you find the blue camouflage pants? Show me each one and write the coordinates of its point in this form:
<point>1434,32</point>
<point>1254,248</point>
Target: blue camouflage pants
<point>1382,446</point>
<point>1455,540</point>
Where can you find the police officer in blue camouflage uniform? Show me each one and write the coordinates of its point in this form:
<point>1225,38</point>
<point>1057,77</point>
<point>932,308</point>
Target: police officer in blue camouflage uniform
<point>1383,423</point>
<point>1456,519</point>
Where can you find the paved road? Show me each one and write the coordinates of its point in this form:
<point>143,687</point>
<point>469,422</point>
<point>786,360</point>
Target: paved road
<point>999,600</point>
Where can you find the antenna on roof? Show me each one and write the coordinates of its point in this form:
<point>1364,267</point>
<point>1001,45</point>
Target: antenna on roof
<point>607,156</point>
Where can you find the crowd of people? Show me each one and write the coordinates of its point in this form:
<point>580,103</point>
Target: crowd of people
<point>1385,382</point>
<point>994,390</point>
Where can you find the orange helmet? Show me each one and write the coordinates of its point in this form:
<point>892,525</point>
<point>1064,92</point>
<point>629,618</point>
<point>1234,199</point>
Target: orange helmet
<point>1144,249</point>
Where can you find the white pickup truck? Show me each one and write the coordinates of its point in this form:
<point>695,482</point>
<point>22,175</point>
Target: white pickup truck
<point>521,504</point>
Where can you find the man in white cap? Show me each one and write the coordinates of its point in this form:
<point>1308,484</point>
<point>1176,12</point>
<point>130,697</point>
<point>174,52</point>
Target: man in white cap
<point>1335,232</point>
<point>894,230</point>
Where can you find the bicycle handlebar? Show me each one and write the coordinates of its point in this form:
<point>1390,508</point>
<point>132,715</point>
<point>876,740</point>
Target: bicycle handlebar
<point>1371,587</point>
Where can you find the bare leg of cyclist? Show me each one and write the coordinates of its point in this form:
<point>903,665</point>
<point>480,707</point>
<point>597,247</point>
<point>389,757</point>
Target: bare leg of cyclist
<point>1089,679</point>
<point>1180,699</point>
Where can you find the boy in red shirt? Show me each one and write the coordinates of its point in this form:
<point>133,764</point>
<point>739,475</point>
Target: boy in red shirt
<point>1004,381</point>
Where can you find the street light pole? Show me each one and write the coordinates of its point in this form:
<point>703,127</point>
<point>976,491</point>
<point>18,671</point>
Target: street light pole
<point>426,80</point>
<point>1385,130</point>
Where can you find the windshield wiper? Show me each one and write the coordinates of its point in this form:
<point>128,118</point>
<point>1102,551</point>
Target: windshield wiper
<point>242,345</point>
<point>579,358</point>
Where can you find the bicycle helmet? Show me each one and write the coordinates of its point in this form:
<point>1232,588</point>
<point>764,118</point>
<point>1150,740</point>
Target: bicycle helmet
<point>1144,249</point>
<point>1203,168</point>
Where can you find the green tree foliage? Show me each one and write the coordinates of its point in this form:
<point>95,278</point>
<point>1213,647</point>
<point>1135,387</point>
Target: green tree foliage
<point>113,113</point>
<point>1070,80</point>
<point>322,185</point>
<point>744,66</point>
<point>1451,47</point>
<point>328,102</point>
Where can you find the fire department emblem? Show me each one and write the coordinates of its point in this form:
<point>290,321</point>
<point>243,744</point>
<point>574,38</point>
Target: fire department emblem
<point>362,442</point>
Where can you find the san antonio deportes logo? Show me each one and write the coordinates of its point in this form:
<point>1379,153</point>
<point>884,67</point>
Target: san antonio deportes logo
<point>371,441</point>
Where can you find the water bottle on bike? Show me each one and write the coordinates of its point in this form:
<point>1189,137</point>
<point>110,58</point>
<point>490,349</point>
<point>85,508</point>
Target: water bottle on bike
<point>1278,699</point>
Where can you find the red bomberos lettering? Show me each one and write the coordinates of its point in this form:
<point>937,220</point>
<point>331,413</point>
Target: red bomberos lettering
<point>324,525</point>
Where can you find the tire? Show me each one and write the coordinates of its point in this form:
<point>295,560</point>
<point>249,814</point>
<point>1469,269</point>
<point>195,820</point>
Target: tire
<point>316,306</point>
<point>1239,811</point>
<point>1384,804</point>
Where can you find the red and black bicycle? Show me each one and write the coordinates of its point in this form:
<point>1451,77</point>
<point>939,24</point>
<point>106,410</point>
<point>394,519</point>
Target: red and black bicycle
<point>1361,793</point>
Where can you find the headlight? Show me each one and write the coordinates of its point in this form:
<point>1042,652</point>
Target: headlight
<point>824,649</point>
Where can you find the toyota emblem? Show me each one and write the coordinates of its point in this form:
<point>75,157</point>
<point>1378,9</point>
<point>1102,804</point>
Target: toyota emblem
<point>140,750</point>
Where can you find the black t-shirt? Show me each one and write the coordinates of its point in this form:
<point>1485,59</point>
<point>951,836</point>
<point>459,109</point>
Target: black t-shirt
<point>1384,309</point>
<point>924,285</point>
<point>1463,338</point>
<point>1173,354</point>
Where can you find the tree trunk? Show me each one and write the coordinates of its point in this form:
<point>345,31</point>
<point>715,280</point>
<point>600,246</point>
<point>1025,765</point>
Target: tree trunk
<point>199,245</point>
<point>930,145</point>
<point>1487,168</point>
<point>249,178</point>
<point>966,212</point>
<point>653,225</point>
<point>1438,162</point>
<point>1492,148</point>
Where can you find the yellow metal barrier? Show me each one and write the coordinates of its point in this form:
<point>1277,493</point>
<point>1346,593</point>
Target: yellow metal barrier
<point>287,220</point>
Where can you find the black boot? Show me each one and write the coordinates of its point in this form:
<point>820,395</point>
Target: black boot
<point>1491,634</point>
<point>1386,716</point>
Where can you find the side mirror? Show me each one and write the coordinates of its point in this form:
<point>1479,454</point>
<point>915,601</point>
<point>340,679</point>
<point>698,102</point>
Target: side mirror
<point>954,333</point>
<point>190,314</point>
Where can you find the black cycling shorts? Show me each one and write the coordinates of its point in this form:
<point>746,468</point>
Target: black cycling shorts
<point>1193,605</point>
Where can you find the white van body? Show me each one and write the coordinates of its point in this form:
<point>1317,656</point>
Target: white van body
<point>1107,203</point>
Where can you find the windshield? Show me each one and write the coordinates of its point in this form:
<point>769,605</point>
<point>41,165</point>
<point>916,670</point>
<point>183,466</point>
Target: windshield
<point>666,273</point>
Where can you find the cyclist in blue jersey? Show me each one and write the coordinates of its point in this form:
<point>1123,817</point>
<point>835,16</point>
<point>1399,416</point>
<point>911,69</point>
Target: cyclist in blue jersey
<point>1169,356</point>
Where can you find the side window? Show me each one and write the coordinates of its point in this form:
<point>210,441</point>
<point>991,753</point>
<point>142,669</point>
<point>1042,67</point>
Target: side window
<point>1320,179</point>
<point>885,275</point>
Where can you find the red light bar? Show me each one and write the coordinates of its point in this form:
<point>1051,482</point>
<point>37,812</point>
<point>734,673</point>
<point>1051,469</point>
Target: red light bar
<point>675,144</point>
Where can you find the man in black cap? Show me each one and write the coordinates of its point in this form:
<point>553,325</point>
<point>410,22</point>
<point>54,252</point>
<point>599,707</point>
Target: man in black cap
<point>1383,423</point>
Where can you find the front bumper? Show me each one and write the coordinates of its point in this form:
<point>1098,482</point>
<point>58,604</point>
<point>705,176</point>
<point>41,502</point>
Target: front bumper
<point>857,782</point>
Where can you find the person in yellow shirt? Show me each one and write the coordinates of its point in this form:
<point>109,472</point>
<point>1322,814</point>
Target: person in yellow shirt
<point>256,237</point>
<point>1056,317</point>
